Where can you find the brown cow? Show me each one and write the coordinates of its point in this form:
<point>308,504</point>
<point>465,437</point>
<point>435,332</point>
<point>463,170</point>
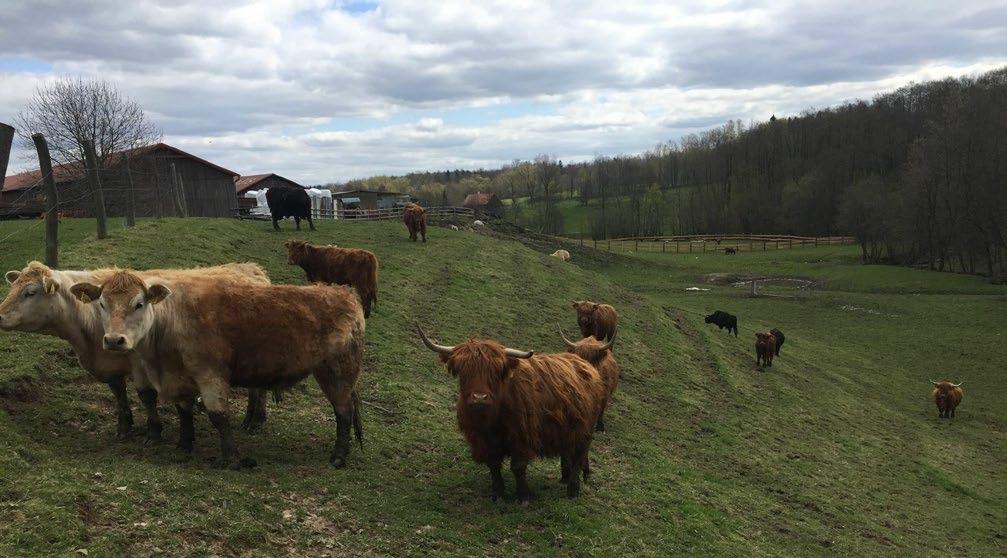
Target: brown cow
<point>947,396</point>
<point>39,301</point>
<point>599,354</point>
<point>765,348</point>
<point>599,320</point>
<point>416,220</point>
<point>342,266</point>
<point>523,406</point>
<point>204,337</point>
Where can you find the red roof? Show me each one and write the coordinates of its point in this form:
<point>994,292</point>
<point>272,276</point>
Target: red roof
<point>242,183</point>
<point>478,198</point>
<point>75,170</point>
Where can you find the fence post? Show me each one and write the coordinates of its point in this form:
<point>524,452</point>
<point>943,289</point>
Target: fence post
<point>636,246</point>
<point>91,161</point>
<point>754,291</point>
<point>130,199</point>
<point>51,201</point>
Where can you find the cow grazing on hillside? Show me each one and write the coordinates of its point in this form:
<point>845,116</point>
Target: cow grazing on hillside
<point>415,218</point>
<point>561,254</point>
<point>289,201</point>
<point>39,301</point>
<point>947,396</point>
<point>599,320</point>
<point>723,319</point>
<point>513,404</point>
<point>728,251</point>
<point>765,348</point>
<point>599,354</point>
<point>201,338</point>
<point>341,266</point>
<point>778,335</point>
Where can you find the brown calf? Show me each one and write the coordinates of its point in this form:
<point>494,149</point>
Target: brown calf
<point>202,337</point>
<point>947,396</point>
<point>341,266</point>
<point>39,301</point>
<point>599,354</point>
<point>415,218</point>
<point>765,348</point>
<point>599,320</point>
<point>513,404</point>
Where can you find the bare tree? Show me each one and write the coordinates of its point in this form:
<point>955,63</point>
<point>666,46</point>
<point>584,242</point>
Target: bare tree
<point>70,111</point>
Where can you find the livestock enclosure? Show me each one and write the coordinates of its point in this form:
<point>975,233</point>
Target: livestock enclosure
<point>836,449</point>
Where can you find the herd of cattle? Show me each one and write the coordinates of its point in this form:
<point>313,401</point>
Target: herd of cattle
<point>183,334</point>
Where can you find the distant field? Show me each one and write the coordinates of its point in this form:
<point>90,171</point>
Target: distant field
<point>837,449</point>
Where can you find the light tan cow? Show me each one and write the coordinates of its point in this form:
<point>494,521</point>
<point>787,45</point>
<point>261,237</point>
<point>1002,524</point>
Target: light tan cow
<point>39,301</point>
<point>202,337</point>
<point>561,254</point>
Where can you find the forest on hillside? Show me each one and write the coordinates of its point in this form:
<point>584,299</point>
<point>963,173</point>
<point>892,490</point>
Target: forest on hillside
<point>918,175</point>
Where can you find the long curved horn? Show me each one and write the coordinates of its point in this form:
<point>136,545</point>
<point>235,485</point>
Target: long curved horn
<point>611,340</point>
<point>518,354</point>
<point>442,349</point>
<point>569,344</point>
<point>933,382</point>
<point>959,384</point>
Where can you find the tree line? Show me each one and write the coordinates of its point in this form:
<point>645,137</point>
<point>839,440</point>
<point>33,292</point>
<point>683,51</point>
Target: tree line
<point>917,175</point>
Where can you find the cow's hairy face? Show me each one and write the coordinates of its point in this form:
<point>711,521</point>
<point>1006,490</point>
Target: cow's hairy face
<point>125,304</point>
<point>32,304</point>
<point>943,391</point>
<point>481,367</point>
<point>585,316</point>
<point>296,250</point>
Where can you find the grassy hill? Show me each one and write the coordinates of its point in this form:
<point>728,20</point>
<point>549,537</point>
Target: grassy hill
<point>835,449</point>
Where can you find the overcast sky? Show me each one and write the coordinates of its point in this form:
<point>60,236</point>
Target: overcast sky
<point>323,91</point>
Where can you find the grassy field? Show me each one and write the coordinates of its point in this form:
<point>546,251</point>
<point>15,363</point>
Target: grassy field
<point>836,449</point>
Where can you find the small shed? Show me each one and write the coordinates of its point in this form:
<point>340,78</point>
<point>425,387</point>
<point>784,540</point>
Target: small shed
<point>484,202</point>
<point>370,199</point>
<point>164,181</point>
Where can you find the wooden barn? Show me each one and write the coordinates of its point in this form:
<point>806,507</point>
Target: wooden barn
<point>243,184</point>
<point>484,202</point>
<point>163,180</point>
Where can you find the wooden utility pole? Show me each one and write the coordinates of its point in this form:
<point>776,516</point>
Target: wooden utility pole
<point>51,201</point>
<point>130,199</point>
<point>91,161</point>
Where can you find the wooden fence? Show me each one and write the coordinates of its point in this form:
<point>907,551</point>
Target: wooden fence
<point>436,212</point>
<point>713,243</point>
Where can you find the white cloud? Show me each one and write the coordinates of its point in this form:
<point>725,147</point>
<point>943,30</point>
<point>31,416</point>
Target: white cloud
<point>309,90</point>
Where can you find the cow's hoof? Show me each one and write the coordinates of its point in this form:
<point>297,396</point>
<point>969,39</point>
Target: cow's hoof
<point>123,434</point>
<point>184,445</point>
<point>338,461</point>
<point>252,426</point>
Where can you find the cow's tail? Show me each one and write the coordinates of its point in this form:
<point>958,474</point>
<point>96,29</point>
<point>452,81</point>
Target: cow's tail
<point>358,426</point>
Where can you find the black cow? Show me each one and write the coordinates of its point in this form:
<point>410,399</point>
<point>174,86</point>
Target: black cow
<point>722,320</point>
<point>779,339</point>
<point>289,201</point>
<point>729,251</point>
